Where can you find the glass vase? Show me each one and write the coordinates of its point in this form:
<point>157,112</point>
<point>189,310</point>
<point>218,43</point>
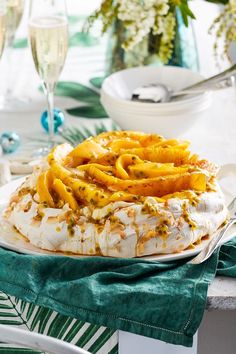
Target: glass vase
<point>146,52</point>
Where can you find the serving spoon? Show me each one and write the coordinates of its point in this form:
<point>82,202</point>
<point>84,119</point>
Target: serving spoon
<point>160,93</point>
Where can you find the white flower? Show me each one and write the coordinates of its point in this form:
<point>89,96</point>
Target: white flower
<point>139,18</point>
<point>225,26</point>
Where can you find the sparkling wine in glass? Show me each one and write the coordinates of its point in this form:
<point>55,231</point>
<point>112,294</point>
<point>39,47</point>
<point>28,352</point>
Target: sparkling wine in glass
<point>48,35</point>
<point>14,12</point>
<point>2,25</point>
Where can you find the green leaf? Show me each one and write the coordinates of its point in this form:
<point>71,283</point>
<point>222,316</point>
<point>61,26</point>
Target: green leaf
<point>77,326</point>
<point>97,81</point>
<point>98,344</point>
<point>8,314</point>
<point>59,325</point>
<point>93,112</point>
<point>189,11</point>
<point>88,132</point>
<point>22,306</point>
<point>29,311</point>
<point>185,12</point>
<point>3,297</point>
<point>76,135</point>
<point>184,16</point>
<point>114,126</point>
<point>14,350</point>
<point>82,39</point>
<point>38,320</point>
<point>10,322</point>
<point>88,335</point>
<point>20,43</point>
<point>77,91</point>
<point>224,2</point>
<point>5,306</point>
<point>101,128</point>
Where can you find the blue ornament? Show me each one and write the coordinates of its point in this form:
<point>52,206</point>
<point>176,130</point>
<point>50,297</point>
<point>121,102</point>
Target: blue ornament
<point>59,119</point>
<point>10,141</point>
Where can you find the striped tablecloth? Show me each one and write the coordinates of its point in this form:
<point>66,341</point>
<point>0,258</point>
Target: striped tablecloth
<point>94,338</point>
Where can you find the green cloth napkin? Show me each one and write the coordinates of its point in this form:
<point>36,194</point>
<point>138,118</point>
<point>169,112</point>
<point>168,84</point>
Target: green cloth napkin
<point>227,259</point>
<point>159,300</point>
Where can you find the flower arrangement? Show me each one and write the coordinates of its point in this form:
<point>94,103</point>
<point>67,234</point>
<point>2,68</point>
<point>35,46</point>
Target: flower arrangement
<point>225,26</point>
<point>140,18</point>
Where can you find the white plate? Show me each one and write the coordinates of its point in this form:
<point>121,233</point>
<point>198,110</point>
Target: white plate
<point>11,240</point>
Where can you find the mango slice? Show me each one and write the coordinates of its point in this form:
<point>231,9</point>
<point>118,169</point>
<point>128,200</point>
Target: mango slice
<point>152,169</point>
<point>161,154</point>
<point>158,186</point>
<point>84,152</point>
<point>65,194</point>
<point>42,187</point>
<point>89,193</point>
<point>127,143</point>
<point>123,166</point>
<point>123,162</point>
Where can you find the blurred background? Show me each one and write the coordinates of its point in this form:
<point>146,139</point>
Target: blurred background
<point>86,64</point>
<point>87,53</point>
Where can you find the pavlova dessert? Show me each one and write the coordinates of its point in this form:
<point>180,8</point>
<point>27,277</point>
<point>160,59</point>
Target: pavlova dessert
<point>119,194</point>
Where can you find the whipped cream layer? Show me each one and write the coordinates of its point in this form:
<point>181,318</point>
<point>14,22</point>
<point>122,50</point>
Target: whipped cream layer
<point>120,229</point>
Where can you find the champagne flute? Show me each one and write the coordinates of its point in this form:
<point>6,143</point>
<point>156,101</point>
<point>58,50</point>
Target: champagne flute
<point>14,12</point>
<point>2,25</point>
<point>48,35</point>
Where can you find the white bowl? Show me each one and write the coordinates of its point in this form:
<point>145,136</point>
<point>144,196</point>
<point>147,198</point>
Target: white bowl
<point>169,119</point>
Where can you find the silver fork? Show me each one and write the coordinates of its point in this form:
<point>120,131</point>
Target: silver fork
<point>215,241</point>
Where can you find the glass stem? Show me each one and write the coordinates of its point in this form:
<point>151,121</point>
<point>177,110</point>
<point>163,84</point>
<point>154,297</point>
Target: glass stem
<point>8,56</point>
<point>50,99</point>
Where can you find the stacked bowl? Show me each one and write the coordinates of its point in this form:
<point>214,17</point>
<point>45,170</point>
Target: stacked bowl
<point>169,119</point>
